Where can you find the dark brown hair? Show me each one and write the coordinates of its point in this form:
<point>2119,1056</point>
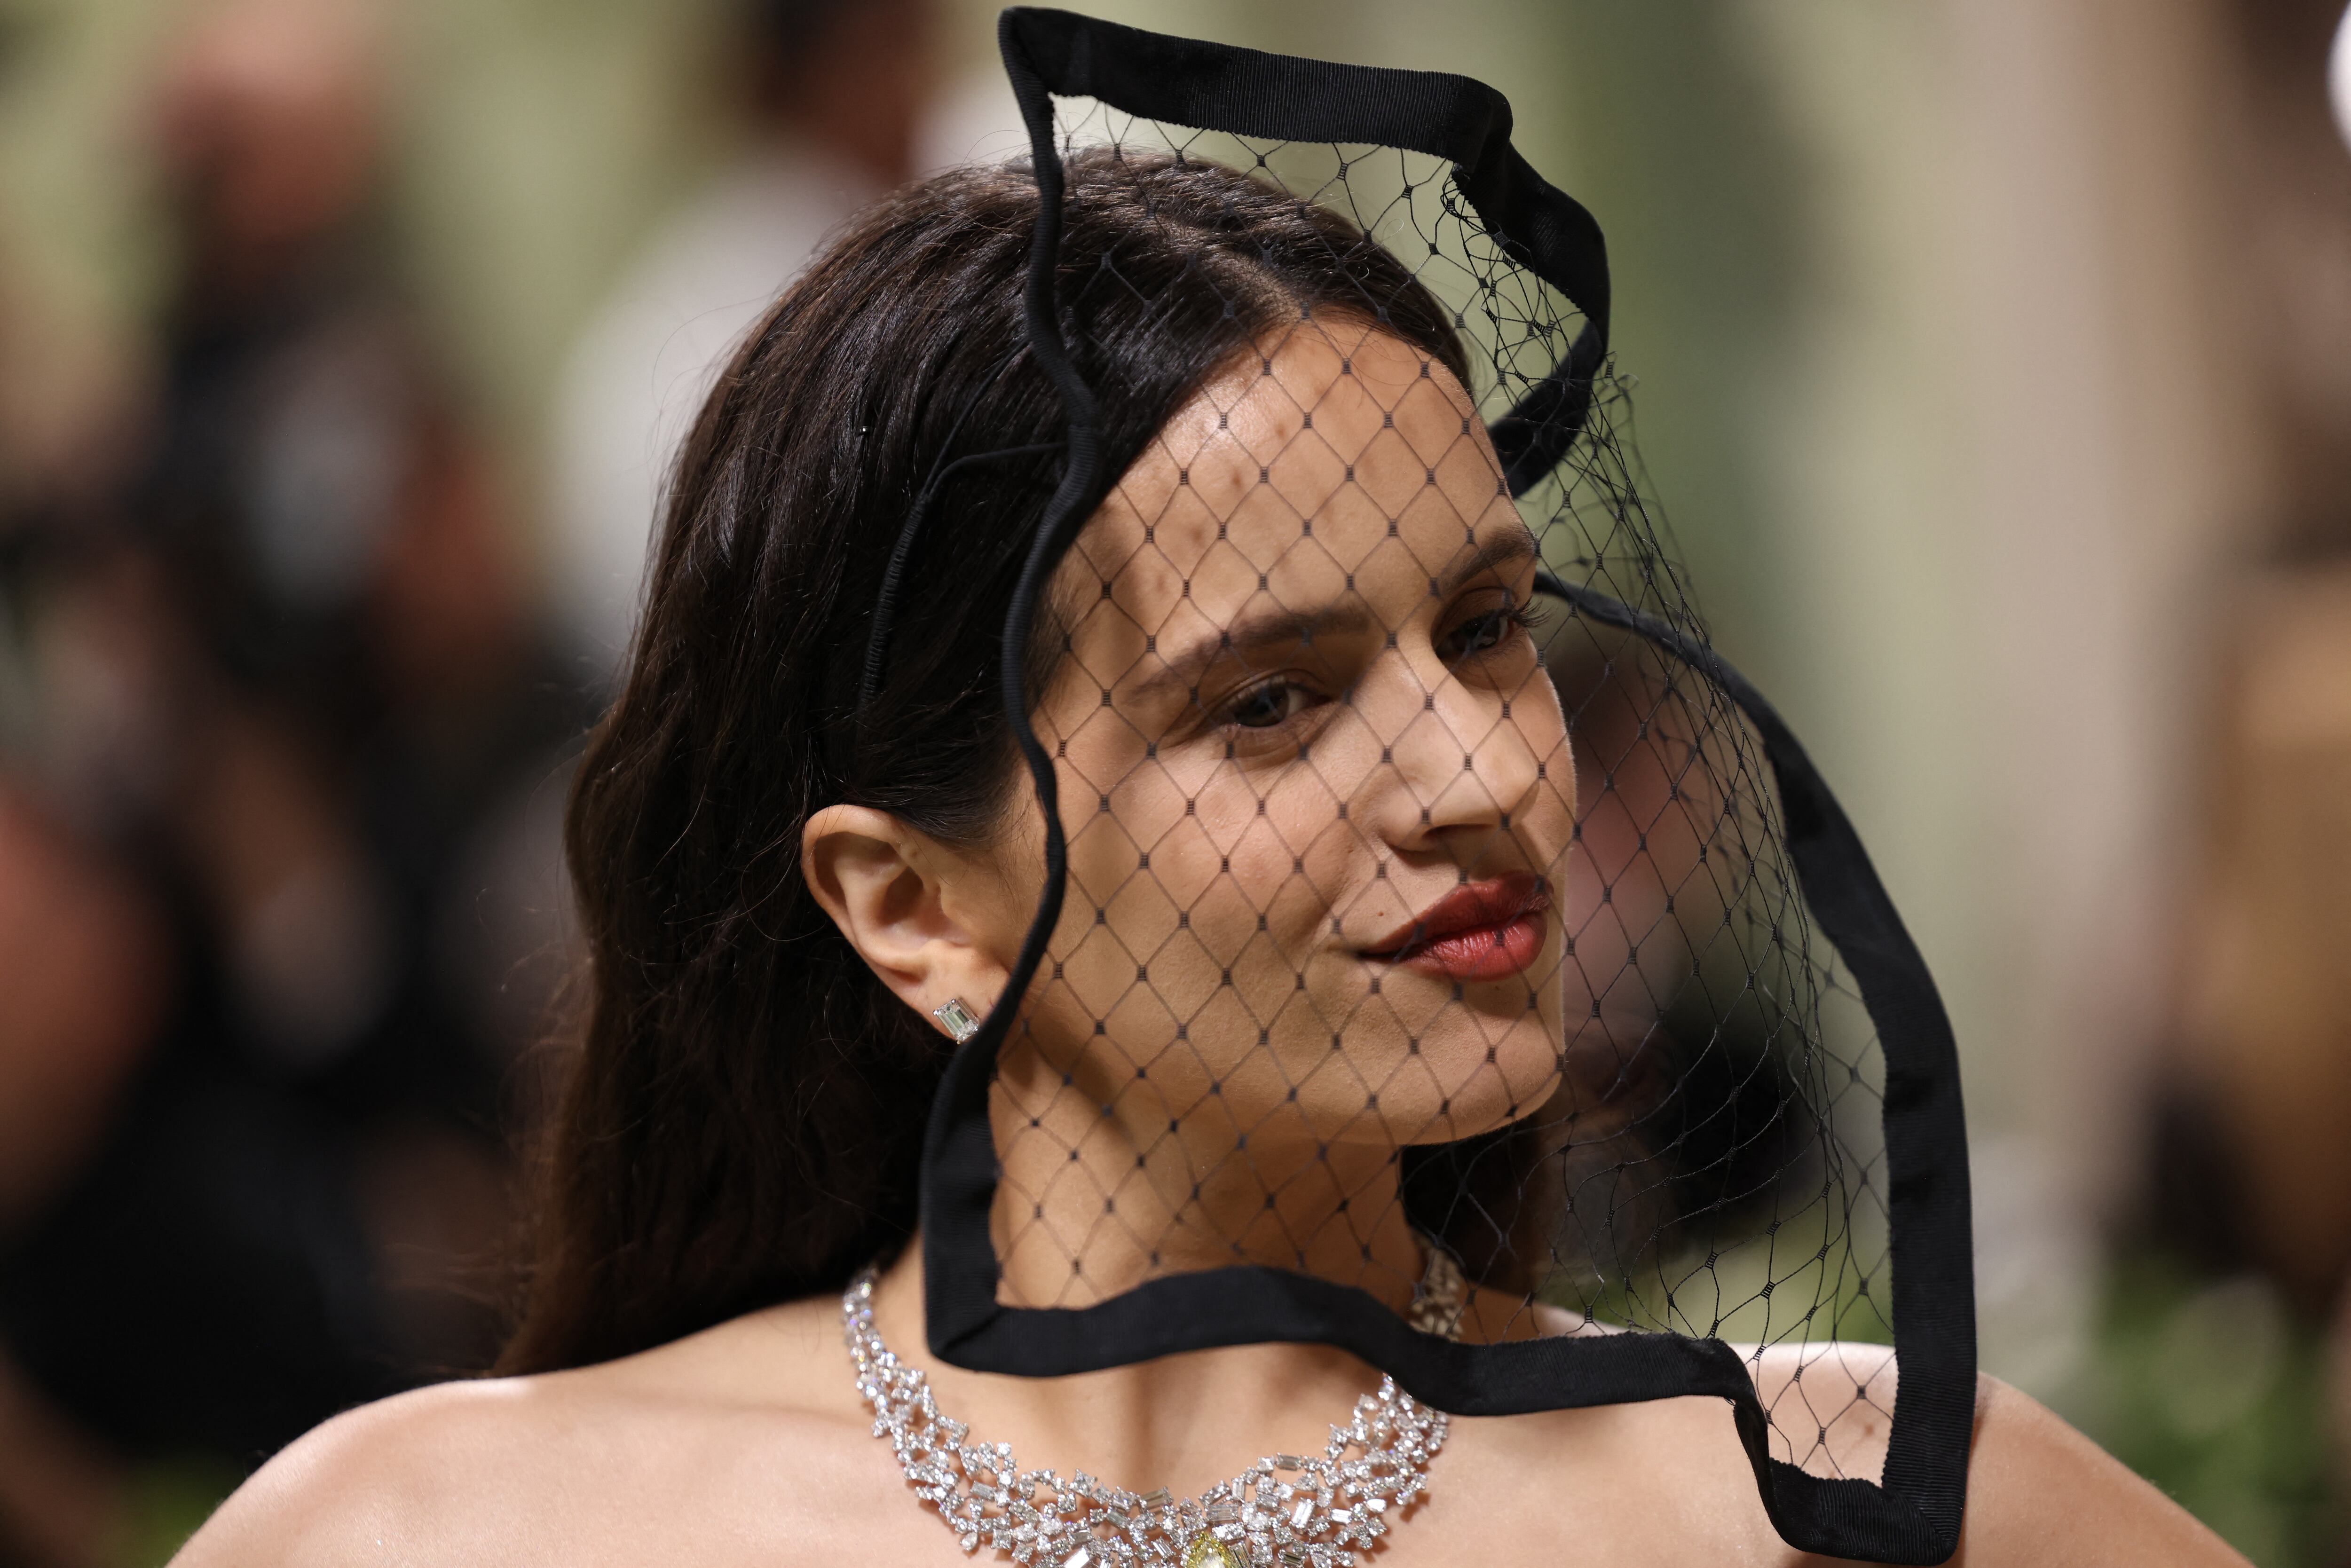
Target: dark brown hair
<point>743,1123</point>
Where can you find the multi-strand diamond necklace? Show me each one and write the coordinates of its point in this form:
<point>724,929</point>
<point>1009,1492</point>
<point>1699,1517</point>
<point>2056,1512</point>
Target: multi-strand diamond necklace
<point>1287,1511</point>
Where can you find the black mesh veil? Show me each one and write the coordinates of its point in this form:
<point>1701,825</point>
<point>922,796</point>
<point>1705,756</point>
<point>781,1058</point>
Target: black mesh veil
<point>1542,1051</point>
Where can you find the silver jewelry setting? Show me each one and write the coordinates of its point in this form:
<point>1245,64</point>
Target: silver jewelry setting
<point>1287,1511</point>
<point>957,1019</point>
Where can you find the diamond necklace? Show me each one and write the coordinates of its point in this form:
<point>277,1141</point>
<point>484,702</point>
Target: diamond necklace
<point>1287,1511</point>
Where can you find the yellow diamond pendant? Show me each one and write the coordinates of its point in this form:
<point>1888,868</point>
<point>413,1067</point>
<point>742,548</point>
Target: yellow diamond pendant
<point>1208,1551</point>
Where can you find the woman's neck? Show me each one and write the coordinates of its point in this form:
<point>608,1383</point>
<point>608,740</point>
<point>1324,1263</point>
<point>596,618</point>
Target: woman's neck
<point>1091,1202</point>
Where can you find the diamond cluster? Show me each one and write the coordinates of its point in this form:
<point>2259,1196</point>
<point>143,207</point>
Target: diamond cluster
<point>1287,1511</point>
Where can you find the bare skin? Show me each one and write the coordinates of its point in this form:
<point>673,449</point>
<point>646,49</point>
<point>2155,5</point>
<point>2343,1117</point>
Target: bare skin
<point>747,1444</point>
<point>1439,757</point>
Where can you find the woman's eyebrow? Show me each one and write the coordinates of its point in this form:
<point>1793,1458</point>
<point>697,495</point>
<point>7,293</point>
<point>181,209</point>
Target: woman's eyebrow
<point>1498,553</point>
<point>1254,632</point>
<point>1257,631</point>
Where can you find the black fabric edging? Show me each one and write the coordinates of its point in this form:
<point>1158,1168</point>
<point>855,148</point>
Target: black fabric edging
<point>1913,1514</point>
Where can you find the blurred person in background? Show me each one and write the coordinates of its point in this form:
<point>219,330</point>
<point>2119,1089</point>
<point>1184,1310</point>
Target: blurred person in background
<point>288,723</point>
<point>2248,1197</point>
<point>834,94</point>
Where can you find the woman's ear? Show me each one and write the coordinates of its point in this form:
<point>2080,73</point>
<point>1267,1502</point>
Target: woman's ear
<point>896,895</point>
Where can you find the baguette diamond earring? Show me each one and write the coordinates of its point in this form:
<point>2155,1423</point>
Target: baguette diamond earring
<point>956,1019</point>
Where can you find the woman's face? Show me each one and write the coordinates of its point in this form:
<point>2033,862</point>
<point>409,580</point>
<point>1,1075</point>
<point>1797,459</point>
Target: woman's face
<point>1315,784</point>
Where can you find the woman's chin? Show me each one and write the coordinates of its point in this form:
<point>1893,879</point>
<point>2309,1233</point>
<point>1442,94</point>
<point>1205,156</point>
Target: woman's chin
<point>1483,1079</point>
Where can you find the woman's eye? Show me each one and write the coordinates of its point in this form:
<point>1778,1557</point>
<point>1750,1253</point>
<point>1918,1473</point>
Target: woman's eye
<point>1262,707</point>
<point>1481,632</point>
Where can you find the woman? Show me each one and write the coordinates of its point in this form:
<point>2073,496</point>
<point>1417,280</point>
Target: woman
<point>1310,769</point>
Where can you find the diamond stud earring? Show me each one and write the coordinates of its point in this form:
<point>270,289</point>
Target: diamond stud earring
<point>957,1019</point>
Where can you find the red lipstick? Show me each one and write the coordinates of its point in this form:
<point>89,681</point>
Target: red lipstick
<point>1486,930</point>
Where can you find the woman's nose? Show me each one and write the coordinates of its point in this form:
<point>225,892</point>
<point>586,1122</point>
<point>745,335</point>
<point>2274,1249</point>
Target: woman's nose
<point>1456,758</point>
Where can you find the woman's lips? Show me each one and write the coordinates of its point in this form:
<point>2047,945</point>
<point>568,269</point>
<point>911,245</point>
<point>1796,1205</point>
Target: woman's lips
<point>1486,930</point>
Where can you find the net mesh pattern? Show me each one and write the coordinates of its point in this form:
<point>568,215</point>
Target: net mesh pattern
<point>1372,951</point>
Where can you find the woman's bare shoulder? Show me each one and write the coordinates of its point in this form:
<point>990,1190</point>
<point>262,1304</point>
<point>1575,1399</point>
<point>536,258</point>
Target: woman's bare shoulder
<point>1833,1402</point>
<point>2041,1492</point>
<point>2038,1491</point>
<point>519,1470</point>
<point>378,1483</point>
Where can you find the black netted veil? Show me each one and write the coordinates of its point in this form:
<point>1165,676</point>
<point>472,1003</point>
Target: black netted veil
<point>1734,1159</point>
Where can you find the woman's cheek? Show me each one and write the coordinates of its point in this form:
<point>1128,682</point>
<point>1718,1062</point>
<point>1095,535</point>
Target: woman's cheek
<point>1547,827</point>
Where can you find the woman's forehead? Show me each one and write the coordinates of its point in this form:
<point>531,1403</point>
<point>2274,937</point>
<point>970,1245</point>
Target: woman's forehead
<point>1333,458</point>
